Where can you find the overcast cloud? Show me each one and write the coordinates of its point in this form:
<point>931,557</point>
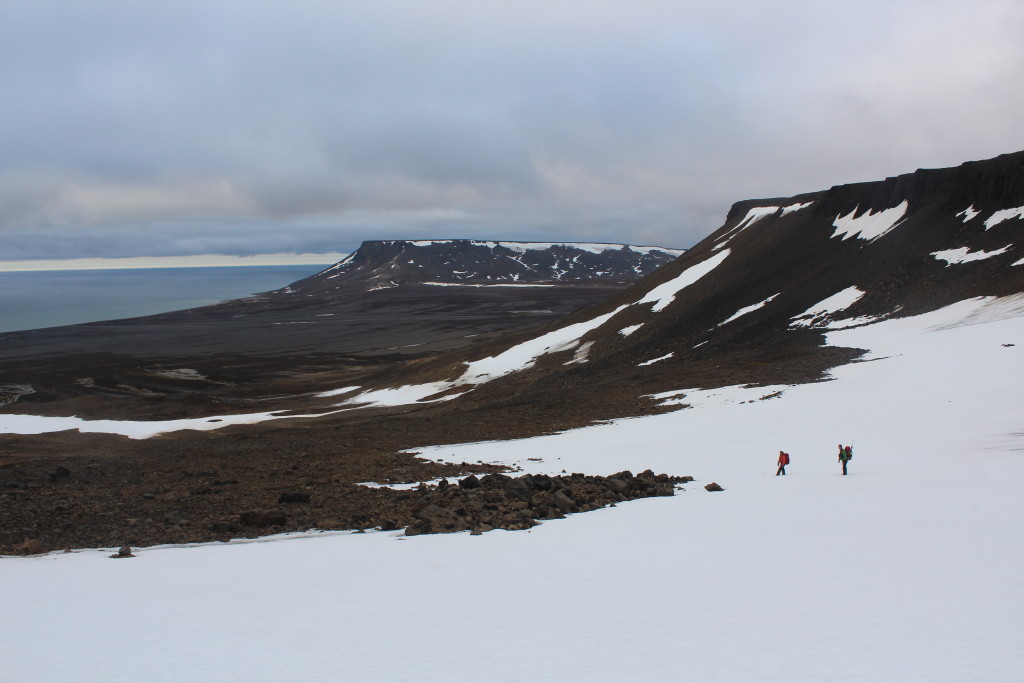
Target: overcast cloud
<point>173,128</point>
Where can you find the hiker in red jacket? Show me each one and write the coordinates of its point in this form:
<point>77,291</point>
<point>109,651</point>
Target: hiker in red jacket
<point>783,461</point>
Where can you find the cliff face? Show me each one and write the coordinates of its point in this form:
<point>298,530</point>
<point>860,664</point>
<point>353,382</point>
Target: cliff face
<point>393,263</point>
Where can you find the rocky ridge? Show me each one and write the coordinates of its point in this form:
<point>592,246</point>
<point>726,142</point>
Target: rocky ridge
<point>392,263</point>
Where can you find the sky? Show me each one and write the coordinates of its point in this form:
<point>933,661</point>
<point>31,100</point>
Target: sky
<point>244,127</point>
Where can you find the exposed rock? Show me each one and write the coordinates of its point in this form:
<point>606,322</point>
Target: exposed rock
<point>30,546</point>
<point>497,501</point>
<point>713,487</point>
<point>263,518</point>
<point>331,524</point>
<point>174,517</point>
<point>293,498</point>
<point>125,551</point>
<point>60,473</point>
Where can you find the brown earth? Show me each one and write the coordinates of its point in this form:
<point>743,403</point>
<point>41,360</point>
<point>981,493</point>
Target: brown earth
<point>70,490</point>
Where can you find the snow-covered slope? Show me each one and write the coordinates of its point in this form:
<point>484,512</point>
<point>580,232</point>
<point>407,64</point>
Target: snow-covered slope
<point>905,570</point>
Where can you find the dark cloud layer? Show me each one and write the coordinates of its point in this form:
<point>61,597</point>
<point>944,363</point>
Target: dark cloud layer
<point>133,128</point>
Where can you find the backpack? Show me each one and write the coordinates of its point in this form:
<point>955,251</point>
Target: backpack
<point>849,453</point>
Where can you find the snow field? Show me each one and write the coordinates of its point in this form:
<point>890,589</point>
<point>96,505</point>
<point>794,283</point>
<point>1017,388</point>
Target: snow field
<point>908,569</point>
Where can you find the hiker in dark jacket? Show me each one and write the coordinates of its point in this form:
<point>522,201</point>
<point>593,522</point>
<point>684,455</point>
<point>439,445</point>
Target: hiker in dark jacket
<point>845,456</point>
<point>783,461</point>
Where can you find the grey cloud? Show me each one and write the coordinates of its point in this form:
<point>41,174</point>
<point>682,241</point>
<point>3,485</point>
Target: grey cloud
<point>138,128</point>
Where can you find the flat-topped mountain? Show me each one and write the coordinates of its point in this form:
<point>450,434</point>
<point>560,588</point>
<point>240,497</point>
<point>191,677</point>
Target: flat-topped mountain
<point>393,263</point>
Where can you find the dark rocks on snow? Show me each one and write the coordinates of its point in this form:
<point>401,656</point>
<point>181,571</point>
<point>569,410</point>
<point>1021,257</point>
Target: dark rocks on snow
<point>497,501</point>
<point>125,551</point>
<point>713,487</point>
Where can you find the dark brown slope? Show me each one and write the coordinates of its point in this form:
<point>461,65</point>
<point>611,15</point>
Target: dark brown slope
<point>381,306</point>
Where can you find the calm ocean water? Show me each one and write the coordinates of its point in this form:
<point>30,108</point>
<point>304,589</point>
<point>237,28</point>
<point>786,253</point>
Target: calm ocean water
<point>29,300</point>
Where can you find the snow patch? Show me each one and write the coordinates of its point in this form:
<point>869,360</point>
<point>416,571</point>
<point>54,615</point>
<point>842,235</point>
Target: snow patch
<point>489,284</point>
<point>795,207</point>
<point>871,225</point>
<point>816,315</point>
<point>525,355</point>
<point>135,429</point>
<point>969,213</point>
<point>336,392</point>
<point>655,360</point>
<point>626,331</point>
<point>400,396</point>
<point>1003,215</point>
<point>182,373</point>
<point>581,354</point>
<point>663,295</point>
<point>965,255</point>
<point>748,309</point>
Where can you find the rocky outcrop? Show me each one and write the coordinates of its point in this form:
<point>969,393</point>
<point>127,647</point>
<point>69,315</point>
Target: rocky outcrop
<point>497,501</point>
<point>393,263</point>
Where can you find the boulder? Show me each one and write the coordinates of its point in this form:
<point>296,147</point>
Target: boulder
<point>713,487</point>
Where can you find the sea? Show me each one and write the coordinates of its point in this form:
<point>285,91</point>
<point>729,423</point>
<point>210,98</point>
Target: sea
<point>49,298</point>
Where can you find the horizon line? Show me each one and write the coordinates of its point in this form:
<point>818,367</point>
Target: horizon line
<point>193,261</point>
